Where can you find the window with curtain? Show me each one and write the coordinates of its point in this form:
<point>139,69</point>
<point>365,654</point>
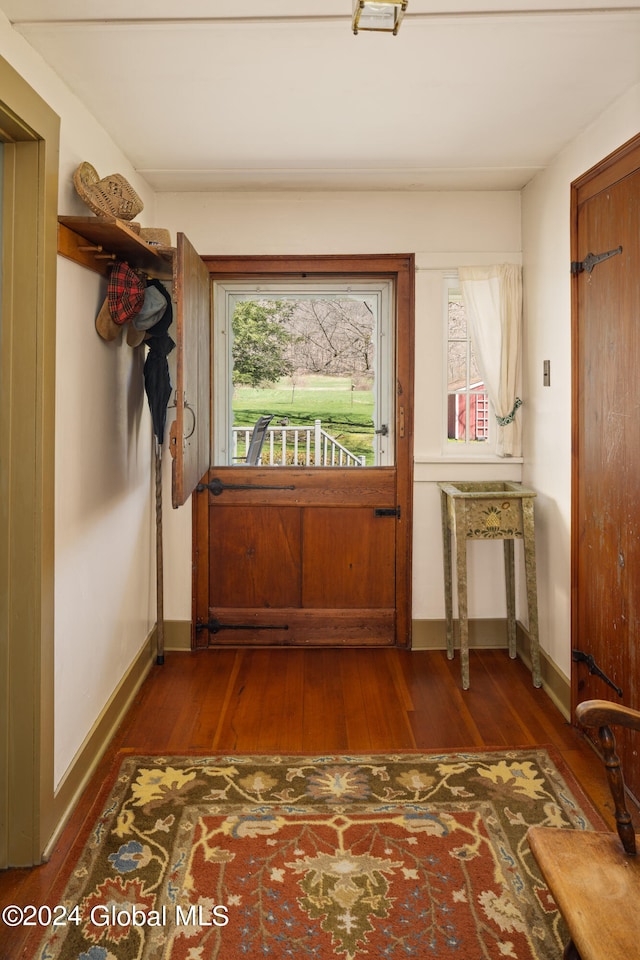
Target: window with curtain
<point>469,428</point>
<point>492,298</point>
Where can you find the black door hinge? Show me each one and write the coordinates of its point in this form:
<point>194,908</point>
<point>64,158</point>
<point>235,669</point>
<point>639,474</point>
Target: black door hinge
<point>589,262</point>
<point>216,487</point>
<point>579,657</point>
<point>215,626</point>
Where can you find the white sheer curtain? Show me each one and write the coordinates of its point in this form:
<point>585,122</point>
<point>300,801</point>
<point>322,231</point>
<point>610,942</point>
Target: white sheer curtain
<point>493,304</point>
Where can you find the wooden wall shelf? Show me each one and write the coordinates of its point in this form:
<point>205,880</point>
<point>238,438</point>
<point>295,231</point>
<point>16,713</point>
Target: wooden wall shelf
<point>94,242</point>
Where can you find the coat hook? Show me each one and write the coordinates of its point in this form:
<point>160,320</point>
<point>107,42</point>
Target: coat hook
<point>97,251</point>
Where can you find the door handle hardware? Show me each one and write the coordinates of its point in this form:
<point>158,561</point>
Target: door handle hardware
<point>579,657</point>
<point>589,262</point>
<point>384,430</point>
<point>214,626</point>
<point>216,487</point>
<point>187,406</point>
<point>387,512</point>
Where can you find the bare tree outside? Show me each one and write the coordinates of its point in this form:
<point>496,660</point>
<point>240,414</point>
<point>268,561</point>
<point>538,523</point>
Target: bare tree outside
<point>331,336</point>
<point>305,336</point>
<point>307,359</point>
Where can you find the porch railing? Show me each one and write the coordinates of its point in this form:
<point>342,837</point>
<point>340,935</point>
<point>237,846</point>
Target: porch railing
<point>297,446</point>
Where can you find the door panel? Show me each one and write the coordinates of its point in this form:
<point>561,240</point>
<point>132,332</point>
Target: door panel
<point>298,556</point>
<point>298,627</point>
<point>606,501</point>
<point>350,558</point>
<point>252,537</point>
<point>317,486</point>
<point>190,431</point>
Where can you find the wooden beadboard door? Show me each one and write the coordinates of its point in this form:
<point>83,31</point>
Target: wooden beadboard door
<point>606,443</point>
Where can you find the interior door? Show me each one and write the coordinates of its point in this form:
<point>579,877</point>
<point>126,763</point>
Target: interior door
<point>311,556</point>
<point>606,501</point>
<point>190,430</point>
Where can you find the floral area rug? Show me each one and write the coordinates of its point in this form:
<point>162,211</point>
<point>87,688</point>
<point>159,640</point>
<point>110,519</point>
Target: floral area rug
<point>412,855</point>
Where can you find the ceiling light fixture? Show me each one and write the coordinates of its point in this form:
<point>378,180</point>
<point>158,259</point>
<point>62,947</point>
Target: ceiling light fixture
<point>381,15</point>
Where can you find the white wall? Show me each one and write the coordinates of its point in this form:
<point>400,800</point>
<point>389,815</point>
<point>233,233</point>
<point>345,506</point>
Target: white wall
<point>105,574</point>
<point>444,230</point>
<point>546,257</point>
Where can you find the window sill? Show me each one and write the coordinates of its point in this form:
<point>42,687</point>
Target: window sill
<point>472,461</point>
<point>433,469</point>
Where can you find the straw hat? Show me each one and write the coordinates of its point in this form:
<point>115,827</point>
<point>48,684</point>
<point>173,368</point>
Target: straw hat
<point>156,236</point>
<point>112,195</point>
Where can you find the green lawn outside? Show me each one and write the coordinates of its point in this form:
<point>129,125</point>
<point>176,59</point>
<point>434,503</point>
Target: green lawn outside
<point>346,414</point>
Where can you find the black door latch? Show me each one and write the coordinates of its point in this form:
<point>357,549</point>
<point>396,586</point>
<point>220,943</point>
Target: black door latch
<point>387,512</point>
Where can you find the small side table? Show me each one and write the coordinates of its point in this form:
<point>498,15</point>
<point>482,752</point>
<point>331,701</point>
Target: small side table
<point>489,510</point>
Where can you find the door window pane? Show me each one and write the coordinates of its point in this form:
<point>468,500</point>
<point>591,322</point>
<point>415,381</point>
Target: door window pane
<point>317,360</point>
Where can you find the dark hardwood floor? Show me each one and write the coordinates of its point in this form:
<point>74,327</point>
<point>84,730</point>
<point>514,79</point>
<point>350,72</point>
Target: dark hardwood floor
<point>320,701</point>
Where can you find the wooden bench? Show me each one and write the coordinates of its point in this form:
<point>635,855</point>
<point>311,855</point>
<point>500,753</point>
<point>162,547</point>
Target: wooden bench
<point>594,877</point>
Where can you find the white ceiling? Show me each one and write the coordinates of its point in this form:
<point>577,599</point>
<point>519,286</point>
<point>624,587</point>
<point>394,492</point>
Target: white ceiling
<point>279,94</point>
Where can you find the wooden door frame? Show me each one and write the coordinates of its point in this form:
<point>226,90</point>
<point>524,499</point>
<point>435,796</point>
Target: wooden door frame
<point>401,269</point>
<point>28,806</point>
<point>613,168</point>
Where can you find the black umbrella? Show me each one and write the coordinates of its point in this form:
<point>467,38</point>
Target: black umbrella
<point>157,385</point>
